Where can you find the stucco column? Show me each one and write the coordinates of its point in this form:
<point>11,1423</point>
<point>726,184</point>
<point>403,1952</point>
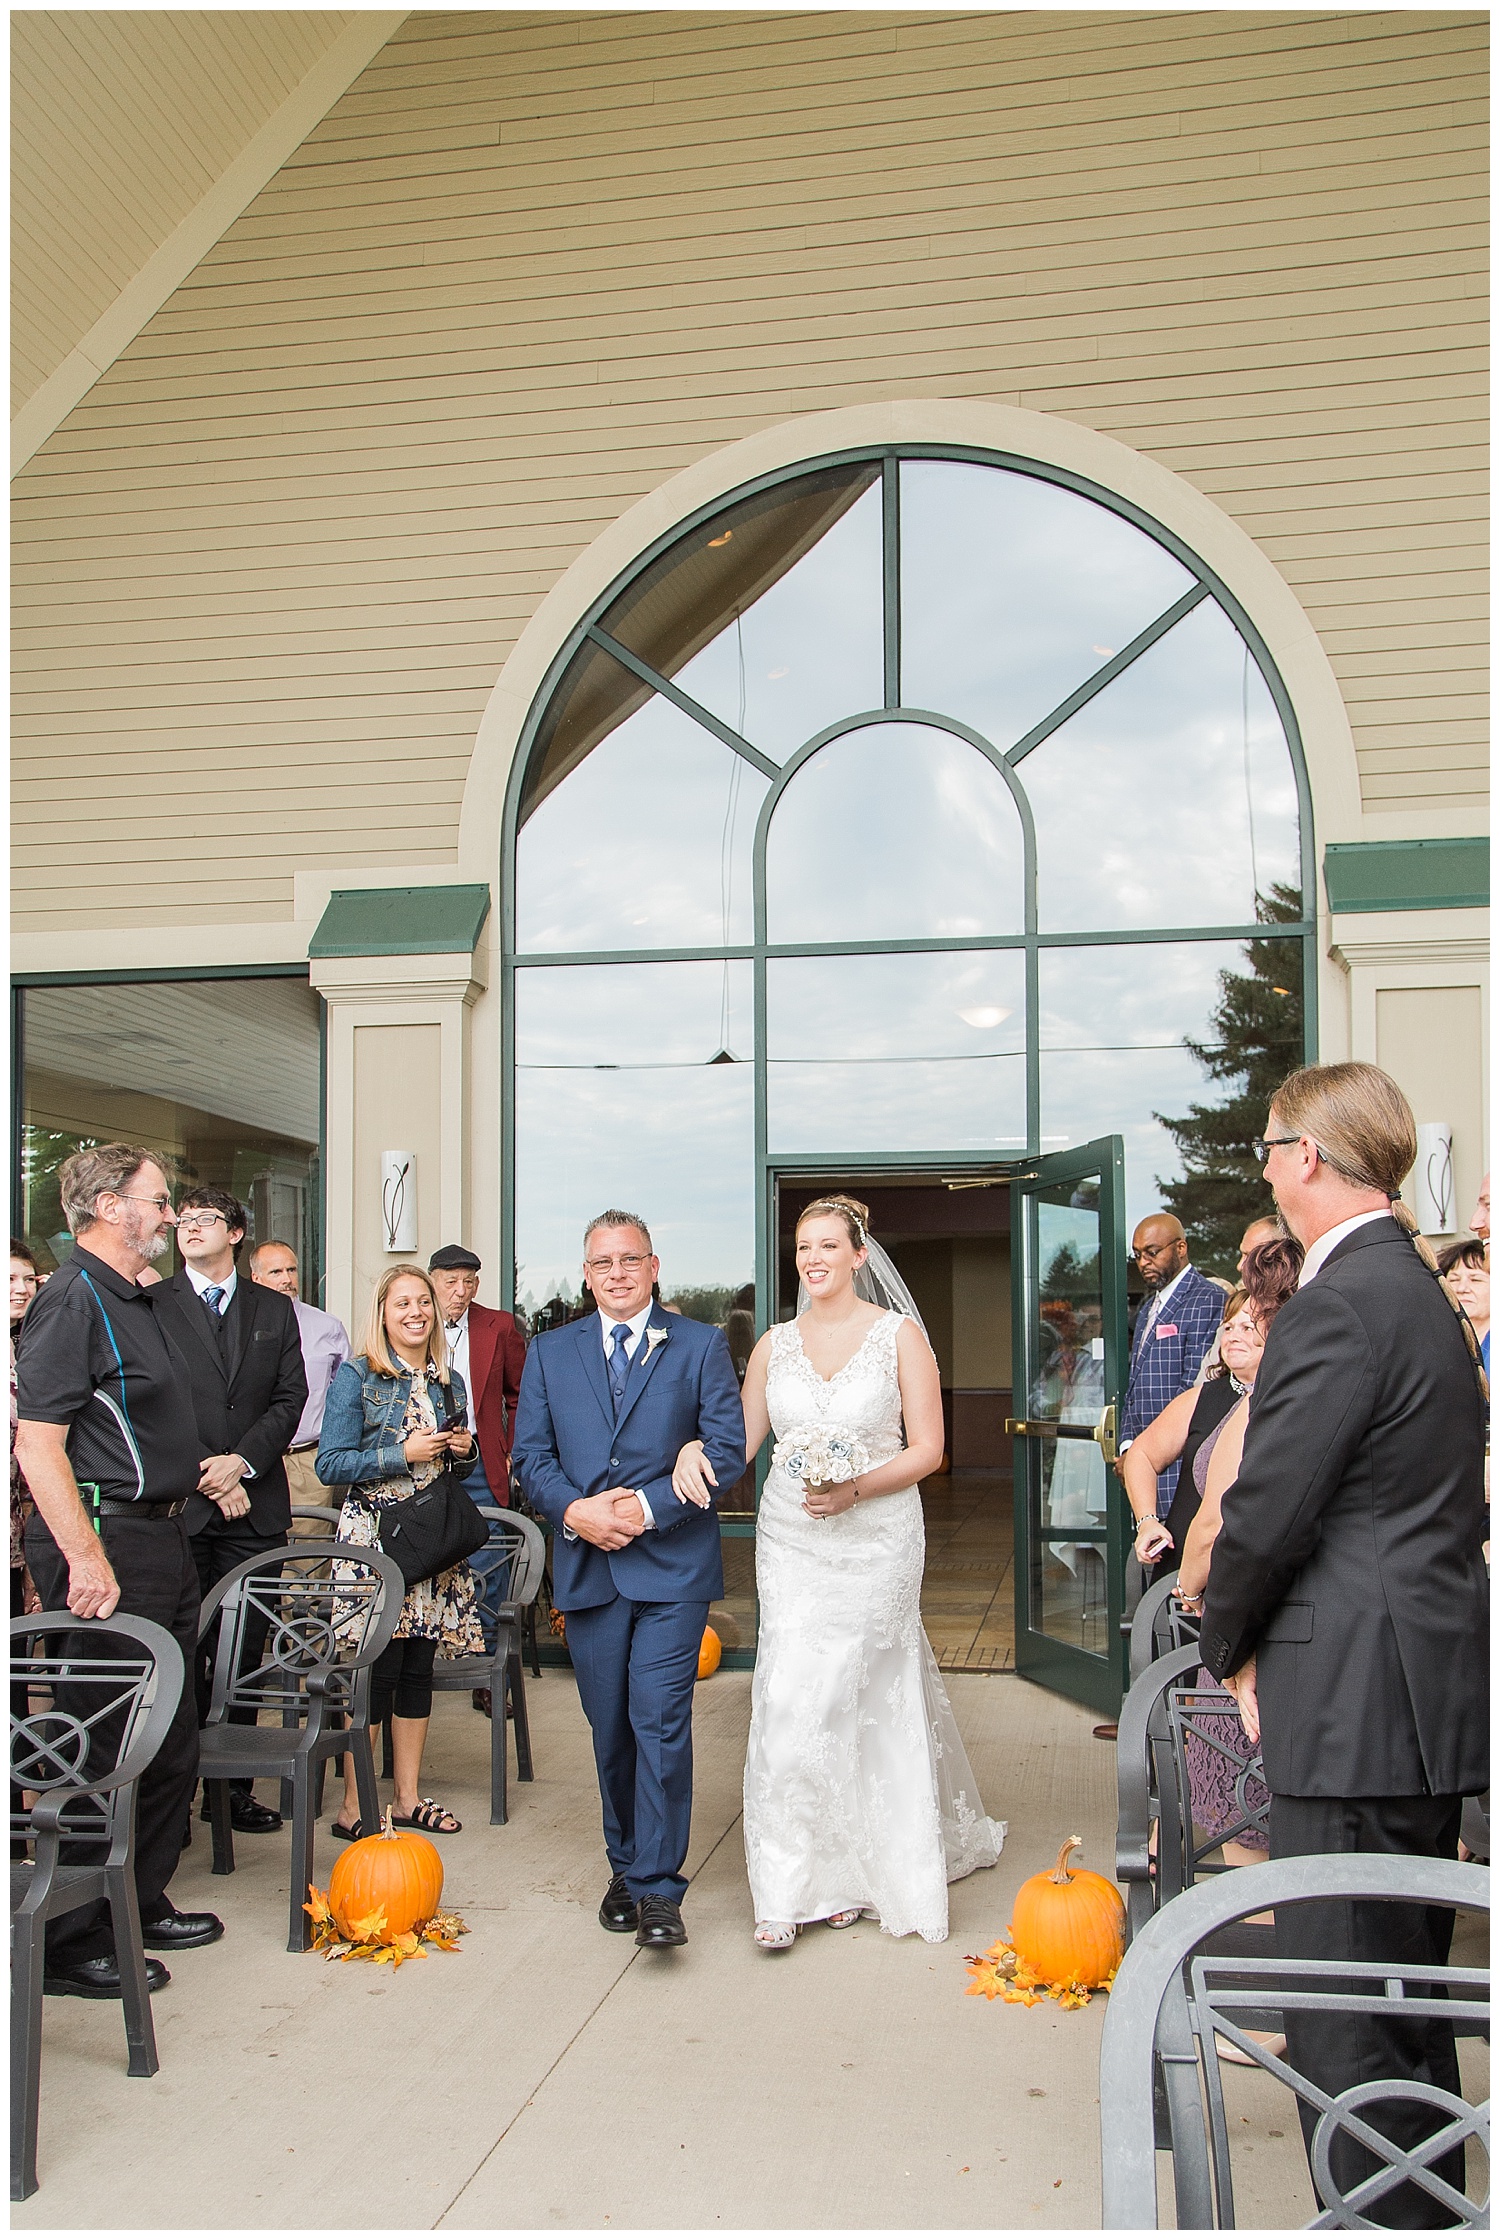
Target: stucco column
<point>398,1079</point>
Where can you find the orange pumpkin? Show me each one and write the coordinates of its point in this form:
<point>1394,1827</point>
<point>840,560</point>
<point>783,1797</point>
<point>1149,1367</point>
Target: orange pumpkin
<point>709,1653</point>
<point>1069,1924</point>
<point>397,1873</point>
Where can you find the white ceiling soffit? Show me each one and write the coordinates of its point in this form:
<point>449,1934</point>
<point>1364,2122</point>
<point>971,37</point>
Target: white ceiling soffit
<point>245,1050</point>
<point>138,137</point>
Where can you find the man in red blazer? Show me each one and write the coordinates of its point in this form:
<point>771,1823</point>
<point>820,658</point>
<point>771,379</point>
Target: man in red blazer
<point>487,1349</point>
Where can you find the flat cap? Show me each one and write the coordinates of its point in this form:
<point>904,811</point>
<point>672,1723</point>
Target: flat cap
<point>454,1256</point>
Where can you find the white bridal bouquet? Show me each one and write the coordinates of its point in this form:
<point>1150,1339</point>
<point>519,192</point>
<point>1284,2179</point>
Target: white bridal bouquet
<point>820,1455</point>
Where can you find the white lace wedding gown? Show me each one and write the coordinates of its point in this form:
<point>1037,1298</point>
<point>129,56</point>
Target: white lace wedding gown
<point>858,1790</point>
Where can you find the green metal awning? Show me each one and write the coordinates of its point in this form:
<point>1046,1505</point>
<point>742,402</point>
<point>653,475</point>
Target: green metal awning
<point>1407,875</point>
<point>400,921</point>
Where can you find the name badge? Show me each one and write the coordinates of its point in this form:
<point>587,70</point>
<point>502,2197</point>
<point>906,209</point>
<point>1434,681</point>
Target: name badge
<point>1166,1330</point>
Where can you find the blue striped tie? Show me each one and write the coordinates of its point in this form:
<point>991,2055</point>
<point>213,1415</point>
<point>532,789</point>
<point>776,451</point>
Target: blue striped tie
<point>619,1363</point>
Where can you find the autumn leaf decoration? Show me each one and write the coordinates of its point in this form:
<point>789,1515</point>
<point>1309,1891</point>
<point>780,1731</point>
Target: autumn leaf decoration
<point>368,1939</point>
<point>1000,1973</point>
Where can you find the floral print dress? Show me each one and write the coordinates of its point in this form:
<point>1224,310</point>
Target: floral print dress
<point>444,1609</point>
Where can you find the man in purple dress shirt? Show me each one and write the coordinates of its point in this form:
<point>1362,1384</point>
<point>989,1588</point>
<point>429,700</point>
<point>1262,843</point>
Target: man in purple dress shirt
<point>325,1343</point>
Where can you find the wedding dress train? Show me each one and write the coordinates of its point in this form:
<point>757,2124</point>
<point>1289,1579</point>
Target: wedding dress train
<point>858,1790</point>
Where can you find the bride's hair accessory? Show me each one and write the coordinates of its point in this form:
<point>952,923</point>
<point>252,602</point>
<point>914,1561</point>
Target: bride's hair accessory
<point>855,1217</point>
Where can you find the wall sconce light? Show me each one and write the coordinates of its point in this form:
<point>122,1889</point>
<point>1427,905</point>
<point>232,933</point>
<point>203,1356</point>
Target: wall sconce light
<point>398,1201</point>
<point>1432,1178</point>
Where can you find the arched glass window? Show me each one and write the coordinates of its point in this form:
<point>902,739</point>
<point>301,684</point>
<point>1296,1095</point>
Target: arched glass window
<point>912,805</point>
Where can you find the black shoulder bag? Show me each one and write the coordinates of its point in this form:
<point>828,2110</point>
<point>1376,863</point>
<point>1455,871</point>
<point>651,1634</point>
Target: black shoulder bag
<point>438,1525</point>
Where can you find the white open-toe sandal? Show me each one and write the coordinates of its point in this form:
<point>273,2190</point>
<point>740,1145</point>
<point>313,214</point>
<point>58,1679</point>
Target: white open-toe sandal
<point>846,1919</point>
<point>775,1936</point>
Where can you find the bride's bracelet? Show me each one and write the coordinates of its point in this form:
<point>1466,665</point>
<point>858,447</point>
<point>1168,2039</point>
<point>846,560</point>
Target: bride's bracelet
<point>856,1488</point>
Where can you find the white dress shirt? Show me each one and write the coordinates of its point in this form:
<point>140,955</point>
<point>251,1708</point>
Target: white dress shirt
<point>457,1335</point>
<point>201,1284</point>
<point>1331,1238</point>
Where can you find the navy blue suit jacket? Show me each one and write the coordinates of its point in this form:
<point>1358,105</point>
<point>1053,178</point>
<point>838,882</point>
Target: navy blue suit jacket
<point>1164,1362</point>
<point>568,1444</point>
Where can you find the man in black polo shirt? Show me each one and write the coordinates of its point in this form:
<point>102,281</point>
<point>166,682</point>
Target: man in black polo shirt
<point>104,1406</point>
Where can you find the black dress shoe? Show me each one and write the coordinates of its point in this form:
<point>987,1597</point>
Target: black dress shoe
<point>181,1932</point>
<point>483,1702</point>
<point>661,1924</point>
<point>97,1979</point>
<point>247,1816</point>
<point>619,1910</point>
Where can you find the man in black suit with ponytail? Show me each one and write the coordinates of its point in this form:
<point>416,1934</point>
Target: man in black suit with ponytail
<point>1347,1605</point>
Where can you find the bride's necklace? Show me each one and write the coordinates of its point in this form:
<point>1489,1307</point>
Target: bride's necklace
<point>848,1318</point>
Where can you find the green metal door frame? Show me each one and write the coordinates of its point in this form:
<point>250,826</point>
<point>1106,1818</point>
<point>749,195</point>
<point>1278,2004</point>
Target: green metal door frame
<point>1095,1680</point>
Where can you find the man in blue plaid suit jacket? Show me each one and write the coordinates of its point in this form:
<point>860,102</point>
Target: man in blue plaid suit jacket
<point>1178,1318</point>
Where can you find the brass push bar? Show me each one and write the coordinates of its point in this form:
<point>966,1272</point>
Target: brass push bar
<point>1102,1433</point>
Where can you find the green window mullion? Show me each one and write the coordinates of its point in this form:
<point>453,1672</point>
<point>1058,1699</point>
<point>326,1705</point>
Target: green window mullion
<point>1094,685</point>
<point>684,701</point>
<point>890,518</point>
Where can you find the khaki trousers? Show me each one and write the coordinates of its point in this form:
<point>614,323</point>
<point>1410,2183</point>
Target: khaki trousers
<point>309,1492</point>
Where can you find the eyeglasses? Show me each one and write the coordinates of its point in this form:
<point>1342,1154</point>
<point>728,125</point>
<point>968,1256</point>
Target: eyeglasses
<point>199,1220</point>
<point>629,1261</point>
<point>136,1197</point>
<point>1264,1145</point>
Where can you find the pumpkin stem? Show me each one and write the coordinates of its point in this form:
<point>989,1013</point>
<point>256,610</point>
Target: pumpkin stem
<point>387,1830</point>
<point>1061,1872</point>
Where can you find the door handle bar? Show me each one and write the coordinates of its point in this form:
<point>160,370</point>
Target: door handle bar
<point>1101,1433</point>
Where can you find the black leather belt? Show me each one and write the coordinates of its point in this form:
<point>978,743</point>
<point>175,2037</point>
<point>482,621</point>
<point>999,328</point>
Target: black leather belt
<point>138,1508</point>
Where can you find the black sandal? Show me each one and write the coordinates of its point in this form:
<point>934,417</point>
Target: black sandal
<point>427,1819</point>
<point>348,1835</point>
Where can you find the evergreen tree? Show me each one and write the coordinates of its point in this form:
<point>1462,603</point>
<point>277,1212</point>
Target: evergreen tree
<point>1258,1041</point>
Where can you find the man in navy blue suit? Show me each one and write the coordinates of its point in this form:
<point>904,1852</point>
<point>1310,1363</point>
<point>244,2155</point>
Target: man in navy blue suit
<point>606,1403</point>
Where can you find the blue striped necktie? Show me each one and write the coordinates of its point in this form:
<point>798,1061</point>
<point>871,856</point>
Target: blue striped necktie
<point>619,1363</point>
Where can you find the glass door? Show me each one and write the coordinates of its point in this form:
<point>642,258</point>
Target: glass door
<point>1068,1274</point>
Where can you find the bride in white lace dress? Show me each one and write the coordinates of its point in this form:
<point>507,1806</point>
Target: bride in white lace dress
<point>859,1798</point>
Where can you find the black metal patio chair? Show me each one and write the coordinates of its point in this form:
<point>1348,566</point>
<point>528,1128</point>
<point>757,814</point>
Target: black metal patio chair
<point>323,1635</point>
<point>1174,1996</point>
<point>101,1694</point>
<point>503,1669</point>
<point>1158,1626</point>
<point>1163,1708</point>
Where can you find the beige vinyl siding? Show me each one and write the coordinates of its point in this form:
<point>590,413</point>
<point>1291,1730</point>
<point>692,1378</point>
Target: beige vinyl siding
<point>530,266</point>
<point>121,122</point>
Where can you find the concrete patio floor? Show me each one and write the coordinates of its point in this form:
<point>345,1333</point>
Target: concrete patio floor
<point>548,2075</point>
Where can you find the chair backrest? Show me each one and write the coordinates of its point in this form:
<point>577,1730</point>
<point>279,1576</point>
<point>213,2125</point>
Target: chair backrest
<point>527,1549</point>
<point>1163,1709</point>
<point>122,1680</point>
<point>313,1513</point>
<point>1475,1830</point>
<point>1171,1997</point>
<point>1158,1626</point>
<point>328,1607</point>
<point>1140,1762</point>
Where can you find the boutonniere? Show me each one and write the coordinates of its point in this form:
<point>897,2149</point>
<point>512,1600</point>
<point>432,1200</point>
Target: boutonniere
<point>655,1337</point>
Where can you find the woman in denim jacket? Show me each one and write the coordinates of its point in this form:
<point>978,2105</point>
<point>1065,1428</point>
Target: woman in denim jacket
<point>386,1433</point>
